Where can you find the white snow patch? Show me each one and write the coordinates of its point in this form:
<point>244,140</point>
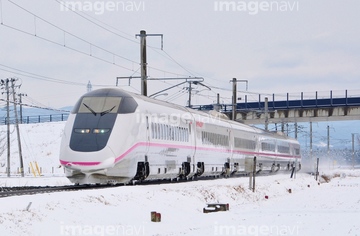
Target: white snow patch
<point>330,206</point>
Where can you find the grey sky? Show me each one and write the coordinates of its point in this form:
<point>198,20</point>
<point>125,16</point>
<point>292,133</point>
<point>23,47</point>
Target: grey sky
<point>311,47</point>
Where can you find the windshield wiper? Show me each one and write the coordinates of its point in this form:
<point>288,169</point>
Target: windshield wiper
<point>92,111</point>
<point>107,111</point>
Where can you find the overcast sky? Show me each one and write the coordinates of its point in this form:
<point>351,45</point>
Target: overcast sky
<point>278,46</point>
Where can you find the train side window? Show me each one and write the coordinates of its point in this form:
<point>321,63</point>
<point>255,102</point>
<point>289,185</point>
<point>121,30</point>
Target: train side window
<point>152,131</point>
<point>159,131</point>
<point>173,133</point>
<point>163,131</point>
<point>167,132</point>
<point>265,146</point>
<point>177,134</point>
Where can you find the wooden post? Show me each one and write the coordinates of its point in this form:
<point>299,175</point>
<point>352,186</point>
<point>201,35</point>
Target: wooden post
<point>254,174</point>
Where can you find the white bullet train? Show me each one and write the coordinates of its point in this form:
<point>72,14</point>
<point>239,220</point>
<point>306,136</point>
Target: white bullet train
<point>114,136</point>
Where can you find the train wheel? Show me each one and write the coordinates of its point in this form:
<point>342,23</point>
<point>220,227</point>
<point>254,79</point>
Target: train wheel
<point>272,168</point>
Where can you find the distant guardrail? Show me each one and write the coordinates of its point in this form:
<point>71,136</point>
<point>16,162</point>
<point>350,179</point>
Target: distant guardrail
<point>37,119</point>
<point>289,102</point>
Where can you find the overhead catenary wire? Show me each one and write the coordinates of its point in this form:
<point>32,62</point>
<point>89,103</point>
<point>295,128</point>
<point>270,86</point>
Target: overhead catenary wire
<point>34,106</point>
<point>81,39</point>
<point>71,48</point>
<point>113,29</point>
<point>86,17</point>
<point>107,27</point>
<point>86,41</point>
<point>70,34</point>
<point>44,78</point>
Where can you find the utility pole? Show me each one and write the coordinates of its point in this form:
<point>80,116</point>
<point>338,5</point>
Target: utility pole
<point>5,83</point>
<point>353,150</point>
<point>217,106</point>
<point>89,87</point>
<point>311,142</point>
<point>190,94</point>
<point>266,114</point>
<point>234,99</point>
<point>17,128</point>
<point>143,59</point>
<point>328,144</point>
<point>143,62</point>
<point>20,101</point>
<point>8,126</point>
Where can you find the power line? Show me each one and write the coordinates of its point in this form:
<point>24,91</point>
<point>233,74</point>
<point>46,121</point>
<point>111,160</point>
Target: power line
<point>168,56</point>
<point>64,43</point>
<point>131,40</point>
<point>44,78</point>
<point>97,24</point>
<point>111,31</point>
<point>71,48</point>
<point>87,42</point>
<point>34,106</point>
<point>36,76</point>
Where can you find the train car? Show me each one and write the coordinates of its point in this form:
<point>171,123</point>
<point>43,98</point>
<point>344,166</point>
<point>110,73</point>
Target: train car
<point>114,136</point>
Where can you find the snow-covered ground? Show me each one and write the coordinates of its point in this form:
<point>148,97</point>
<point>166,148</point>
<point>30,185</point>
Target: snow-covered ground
<point>40,143</point>
<point>312,208</point>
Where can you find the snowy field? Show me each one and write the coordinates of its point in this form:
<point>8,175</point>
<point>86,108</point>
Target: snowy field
<point>330,206</point>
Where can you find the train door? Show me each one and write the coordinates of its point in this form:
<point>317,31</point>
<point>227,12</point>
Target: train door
<point>147,136</point>
<point>230,165</point>
<point>231,142</point>
<point>192,142</point>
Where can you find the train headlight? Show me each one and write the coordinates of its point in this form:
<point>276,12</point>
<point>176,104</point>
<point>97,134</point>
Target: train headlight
<point>100,131</point>
<point>82,131</point>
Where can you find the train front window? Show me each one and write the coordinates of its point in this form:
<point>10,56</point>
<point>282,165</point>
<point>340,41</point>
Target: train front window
<point>99,105</point>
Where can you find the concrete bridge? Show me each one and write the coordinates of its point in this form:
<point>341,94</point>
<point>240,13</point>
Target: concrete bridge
<point>303,109</point>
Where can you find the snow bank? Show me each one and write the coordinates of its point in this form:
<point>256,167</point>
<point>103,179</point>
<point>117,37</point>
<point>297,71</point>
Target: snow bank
<point>279,206</point>
<point>310,209</point>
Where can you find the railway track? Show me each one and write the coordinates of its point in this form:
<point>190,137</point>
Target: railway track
<point>31,190</point>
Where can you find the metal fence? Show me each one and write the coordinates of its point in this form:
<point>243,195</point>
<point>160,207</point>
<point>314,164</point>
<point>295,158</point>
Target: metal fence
<point>37,119</point>
<point>287,101</point>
